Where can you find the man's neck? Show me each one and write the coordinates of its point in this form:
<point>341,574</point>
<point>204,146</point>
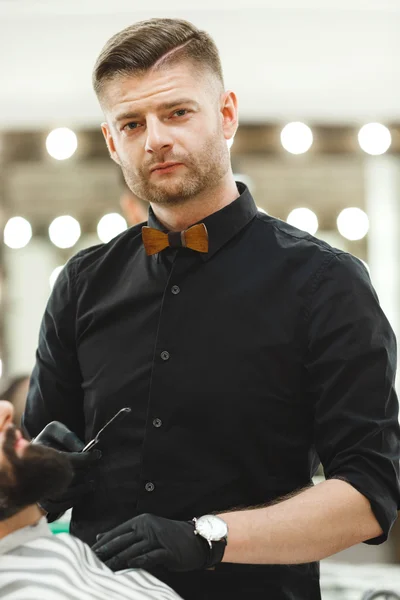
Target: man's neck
<point>181,216</point>
<point>27,516</point>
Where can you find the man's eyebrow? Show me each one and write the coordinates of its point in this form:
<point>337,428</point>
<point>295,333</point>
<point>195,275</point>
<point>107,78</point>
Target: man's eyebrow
<point>162,106</point>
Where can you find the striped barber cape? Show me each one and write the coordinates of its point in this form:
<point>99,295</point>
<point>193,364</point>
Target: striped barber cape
<point>37,565</point>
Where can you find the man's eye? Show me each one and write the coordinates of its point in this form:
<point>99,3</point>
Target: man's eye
<point>131,126</point>
<point>181,112</point>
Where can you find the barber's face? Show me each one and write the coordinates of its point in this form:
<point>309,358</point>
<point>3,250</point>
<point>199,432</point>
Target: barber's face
<point>168,130</point>
<point>27,472</point>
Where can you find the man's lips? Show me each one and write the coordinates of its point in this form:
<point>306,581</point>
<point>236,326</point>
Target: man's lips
<point>165,167</point>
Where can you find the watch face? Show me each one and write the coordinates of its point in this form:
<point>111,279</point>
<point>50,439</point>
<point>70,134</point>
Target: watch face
<point>211,527</point>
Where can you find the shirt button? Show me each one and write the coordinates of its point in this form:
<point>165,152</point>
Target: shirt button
<point>165,355</point>
<point>149,487</point>
<point>175,289</point>
<point>157,422</point>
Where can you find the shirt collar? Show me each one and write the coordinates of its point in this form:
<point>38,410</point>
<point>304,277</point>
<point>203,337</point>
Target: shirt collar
<point>24,535</point>
<point>224,224</point>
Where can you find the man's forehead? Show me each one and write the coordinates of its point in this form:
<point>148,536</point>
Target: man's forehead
<point>152,90</point>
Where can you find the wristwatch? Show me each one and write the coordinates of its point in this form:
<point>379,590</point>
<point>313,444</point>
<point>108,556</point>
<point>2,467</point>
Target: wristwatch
<point>215,531</point>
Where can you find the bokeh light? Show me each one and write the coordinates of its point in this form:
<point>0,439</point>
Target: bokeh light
<point>110,226</point>
<point>304,219</point>
<point>64,231</point>
<point>374,138</point>
<point>296,137</point>
<point>61,143</point>
<point>17,232</point>
<point>353,223</point>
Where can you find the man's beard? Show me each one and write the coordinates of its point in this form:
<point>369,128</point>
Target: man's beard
<point>199,173</point>
<point>41,472</point>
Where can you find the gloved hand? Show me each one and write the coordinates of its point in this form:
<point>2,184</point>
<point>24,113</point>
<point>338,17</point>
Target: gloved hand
<point>56,435</point>
<point>148,541</point>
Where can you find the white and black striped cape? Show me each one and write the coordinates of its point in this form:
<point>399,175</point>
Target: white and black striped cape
<point>62,567</point>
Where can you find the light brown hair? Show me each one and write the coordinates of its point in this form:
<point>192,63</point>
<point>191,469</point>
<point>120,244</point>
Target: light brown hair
<point>155,43</point>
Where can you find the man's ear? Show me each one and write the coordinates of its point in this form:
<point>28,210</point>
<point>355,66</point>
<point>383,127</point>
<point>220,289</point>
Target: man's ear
<point>229,114</point>
<point>110,142</point>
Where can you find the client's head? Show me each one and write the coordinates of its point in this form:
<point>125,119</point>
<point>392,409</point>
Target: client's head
<point>28,472</point>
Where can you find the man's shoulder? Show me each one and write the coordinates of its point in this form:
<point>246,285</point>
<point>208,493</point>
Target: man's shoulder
<point>47,543</point>
<point>52,549</point>
<point>293,244</point>
<point>307,254</point>
<point>312,258</point>
<point>112,250</point>
<point>288,237</point>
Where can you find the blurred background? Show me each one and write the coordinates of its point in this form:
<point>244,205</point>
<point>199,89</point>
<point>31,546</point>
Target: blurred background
<point>318,144</point>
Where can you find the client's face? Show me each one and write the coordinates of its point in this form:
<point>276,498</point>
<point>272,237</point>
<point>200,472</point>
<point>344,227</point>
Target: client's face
<point>27,472</point>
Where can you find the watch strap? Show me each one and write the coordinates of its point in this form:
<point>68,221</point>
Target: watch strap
<point>216,547</point>
<point>217,551</point>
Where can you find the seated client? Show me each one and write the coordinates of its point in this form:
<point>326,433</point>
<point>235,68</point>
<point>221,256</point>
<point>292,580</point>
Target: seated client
<point>34,563</point>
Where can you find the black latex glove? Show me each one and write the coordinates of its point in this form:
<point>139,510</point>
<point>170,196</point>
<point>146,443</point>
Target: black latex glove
<point>148,541</point>
<point>57,436</point>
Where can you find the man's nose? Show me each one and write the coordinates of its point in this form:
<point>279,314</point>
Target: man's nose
<point>159,136</point>
<point>6,414</point>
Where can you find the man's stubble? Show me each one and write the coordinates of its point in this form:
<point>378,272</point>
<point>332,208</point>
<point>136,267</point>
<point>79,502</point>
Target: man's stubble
<point>201,172</point>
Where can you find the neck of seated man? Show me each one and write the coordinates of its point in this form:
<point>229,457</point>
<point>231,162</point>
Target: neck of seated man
<point>29,515</point>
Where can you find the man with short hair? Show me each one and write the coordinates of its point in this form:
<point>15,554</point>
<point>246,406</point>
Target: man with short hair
<point>248,351</point>
<point>33,562</point>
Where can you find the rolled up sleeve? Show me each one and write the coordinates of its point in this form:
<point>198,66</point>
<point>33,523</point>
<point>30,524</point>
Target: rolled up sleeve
<point>351,370</point>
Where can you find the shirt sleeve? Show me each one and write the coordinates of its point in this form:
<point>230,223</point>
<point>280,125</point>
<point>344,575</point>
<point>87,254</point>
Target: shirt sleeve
<point>55,392</point>
<point>351,369</point>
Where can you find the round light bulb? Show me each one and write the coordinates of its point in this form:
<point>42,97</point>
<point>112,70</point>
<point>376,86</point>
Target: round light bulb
<point>296,137</point>
<point>374,138</point>
<point>17,232</point>
<point>61,143</point>
<point>54,275</point>
<point>353,223</point>
<point>64,231</point>
<point>110,226</point>
<point>304,219</point>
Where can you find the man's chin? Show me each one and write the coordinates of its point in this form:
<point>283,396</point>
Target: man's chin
<point>172,198</point>
<point>172,192</point>
<point>31,472</point>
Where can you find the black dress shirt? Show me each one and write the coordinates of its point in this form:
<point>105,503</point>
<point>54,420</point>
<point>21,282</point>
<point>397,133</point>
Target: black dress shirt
<point>244,367</point>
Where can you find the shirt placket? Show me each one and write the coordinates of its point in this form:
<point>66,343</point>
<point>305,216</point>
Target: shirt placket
<point>153,482</point>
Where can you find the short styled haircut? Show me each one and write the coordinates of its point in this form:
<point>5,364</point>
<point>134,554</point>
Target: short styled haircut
<point>155,43</point>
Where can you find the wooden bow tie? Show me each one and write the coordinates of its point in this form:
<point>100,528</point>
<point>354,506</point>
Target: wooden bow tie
<point>195,237</point>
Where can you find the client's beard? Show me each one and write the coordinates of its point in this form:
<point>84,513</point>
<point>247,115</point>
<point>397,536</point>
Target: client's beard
<point>40,473</point>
